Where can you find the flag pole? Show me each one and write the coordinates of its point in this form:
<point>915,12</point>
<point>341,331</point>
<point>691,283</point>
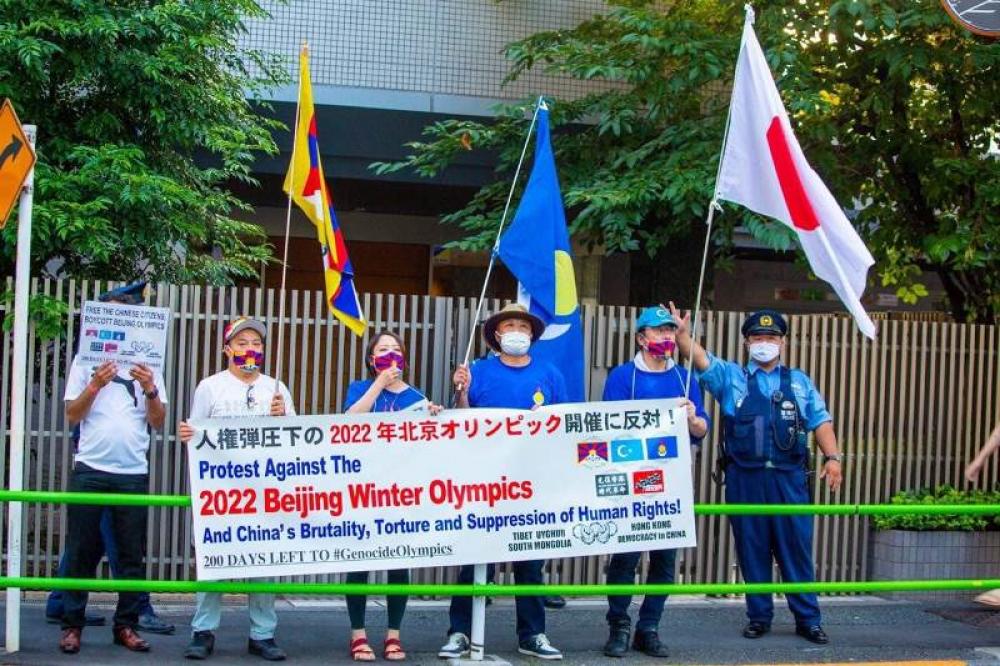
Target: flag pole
<point>713,205</point>
<point>477,642</point>
<point>503,218</point>
<point>288,226</point>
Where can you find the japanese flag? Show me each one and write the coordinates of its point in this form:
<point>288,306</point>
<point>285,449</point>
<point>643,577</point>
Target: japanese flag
<point>763,168</point>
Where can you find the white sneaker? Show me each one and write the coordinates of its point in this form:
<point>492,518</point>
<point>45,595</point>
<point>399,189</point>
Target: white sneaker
<point>539,646</point>
<point>991,598</point>
<point>456,647</point>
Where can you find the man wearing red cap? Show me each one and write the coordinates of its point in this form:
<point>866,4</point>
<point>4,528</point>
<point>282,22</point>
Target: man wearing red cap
<point>241,390</point>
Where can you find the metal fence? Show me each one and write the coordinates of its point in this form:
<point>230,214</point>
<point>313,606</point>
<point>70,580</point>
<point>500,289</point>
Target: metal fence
<point>910,408</point>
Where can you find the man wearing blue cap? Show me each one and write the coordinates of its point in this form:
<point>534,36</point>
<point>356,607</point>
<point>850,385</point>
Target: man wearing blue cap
<point>149,621</point>
<point>768,410</point>
<point>652,374</point>
<point>115,411</point>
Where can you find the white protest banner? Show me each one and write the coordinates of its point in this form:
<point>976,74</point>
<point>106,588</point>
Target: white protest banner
<point>325,494</point>
<point>125,334</point>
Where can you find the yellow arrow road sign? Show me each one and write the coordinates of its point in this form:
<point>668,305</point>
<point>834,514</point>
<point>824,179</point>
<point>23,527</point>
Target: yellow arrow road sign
<point>16,159</point>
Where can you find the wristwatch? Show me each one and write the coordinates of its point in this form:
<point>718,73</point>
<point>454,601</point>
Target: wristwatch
<point>150,395</point>
<point>836,457</point>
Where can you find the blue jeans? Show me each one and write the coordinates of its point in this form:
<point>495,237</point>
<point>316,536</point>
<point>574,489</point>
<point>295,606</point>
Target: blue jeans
<point>263,618</point>
<point>530,610</point>
<point>54,604</point>
<point>621,570</point>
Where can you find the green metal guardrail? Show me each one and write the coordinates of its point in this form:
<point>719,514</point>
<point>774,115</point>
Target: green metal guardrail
<point>54,497</point>
<point>239,587</point>
<point>420,589</point>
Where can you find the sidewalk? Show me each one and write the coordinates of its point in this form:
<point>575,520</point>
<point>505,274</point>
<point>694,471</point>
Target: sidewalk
<point>697,630</point>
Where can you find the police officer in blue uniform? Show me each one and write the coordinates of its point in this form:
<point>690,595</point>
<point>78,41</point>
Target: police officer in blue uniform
<point>768,410</point>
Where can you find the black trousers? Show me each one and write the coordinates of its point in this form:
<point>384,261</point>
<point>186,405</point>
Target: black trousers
<point>84,546</point>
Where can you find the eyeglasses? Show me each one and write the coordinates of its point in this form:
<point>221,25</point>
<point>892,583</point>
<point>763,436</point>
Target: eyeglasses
<point>251,400</point>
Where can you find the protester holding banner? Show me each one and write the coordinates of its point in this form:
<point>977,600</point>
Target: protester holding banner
<point>651,374</point>
<point>972,471</point>
<point>768,411</point>
<point>385,392</point>
<point>241,390</point>
<point>114,410</point>
<point>512,379</point>
<point>149,621</point>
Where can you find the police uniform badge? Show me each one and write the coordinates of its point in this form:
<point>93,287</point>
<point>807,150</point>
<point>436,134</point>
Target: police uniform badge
<point>766,320</point>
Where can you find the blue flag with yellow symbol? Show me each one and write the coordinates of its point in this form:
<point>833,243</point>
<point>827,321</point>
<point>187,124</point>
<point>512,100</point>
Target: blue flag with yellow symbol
<point>536,249</point>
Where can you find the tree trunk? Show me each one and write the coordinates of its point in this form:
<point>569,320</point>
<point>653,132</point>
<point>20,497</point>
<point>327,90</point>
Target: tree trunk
<point>968,296</point>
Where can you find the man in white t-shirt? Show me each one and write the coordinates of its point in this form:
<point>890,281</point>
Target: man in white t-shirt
<point>239,390</point>
<point>115,408</point>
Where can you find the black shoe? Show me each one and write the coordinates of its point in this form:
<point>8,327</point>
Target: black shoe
<point>755,629</point>
<point>555,602</point>
<point>151,623</point>
<point>648,642</point>
<point>267,649</point>
<point>617,644</point>
<point>89,620</point>
<point>813,634</point>
<point>202,645</point>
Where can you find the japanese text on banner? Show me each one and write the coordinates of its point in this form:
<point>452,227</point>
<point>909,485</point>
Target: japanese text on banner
<point>323,494</point>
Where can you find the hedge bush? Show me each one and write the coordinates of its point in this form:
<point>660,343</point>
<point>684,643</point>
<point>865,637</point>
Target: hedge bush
<point>942,495</point>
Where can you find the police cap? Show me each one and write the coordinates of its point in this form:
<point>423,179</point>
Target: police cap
<point>765,322</point>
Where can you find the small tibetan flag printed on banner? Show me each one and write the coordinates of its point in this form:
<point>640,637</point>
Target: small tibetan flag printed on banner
<point>591,451</point>
<point>660,448</point>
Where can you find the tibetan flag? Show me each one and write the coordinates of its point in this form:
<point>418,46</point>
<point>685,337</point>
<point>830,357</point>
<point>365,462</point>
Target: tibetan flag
<point>536,249</point>
<point>763,168</point>
<point>306,184</point>
<point>591,451</point>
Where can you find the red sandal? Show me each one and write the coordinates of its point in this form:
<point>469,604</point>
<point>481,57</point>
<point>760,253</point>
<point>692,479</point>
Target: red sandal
<point>361,650</point>
<point>392,650</point>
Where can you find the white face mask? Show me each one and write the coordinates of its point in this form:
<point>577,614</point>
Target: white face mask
<point>515,343</point>
<point>764,352</point>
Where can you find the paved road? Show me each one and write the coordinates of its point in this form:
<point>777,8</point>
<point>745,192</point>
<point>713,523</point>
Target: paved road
<point>698,631</point>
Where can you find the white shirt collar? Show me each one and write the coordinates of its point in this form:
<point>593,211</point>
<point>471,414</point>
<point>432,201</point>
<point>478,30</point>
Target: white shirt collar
<point>640,363</point>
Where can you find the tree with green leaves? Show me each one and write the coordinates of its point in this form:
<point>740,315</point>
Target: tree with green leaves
<point>894,105</point>
<point>143,121</point>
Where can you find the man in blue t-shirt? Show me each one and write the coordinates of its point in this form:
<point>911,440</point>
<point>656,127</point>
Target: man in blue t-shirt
<point>652,374</point>
<point>509,379</point>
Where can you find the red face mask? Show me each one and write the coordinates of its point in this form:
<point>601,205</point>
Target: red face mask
<point>387,360</point>
<point>661,349</point>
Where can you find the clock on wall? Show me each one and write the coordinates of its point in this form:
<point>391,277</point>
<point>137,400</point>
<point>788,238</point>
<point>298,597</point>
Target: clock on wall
<point>980,16</point>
